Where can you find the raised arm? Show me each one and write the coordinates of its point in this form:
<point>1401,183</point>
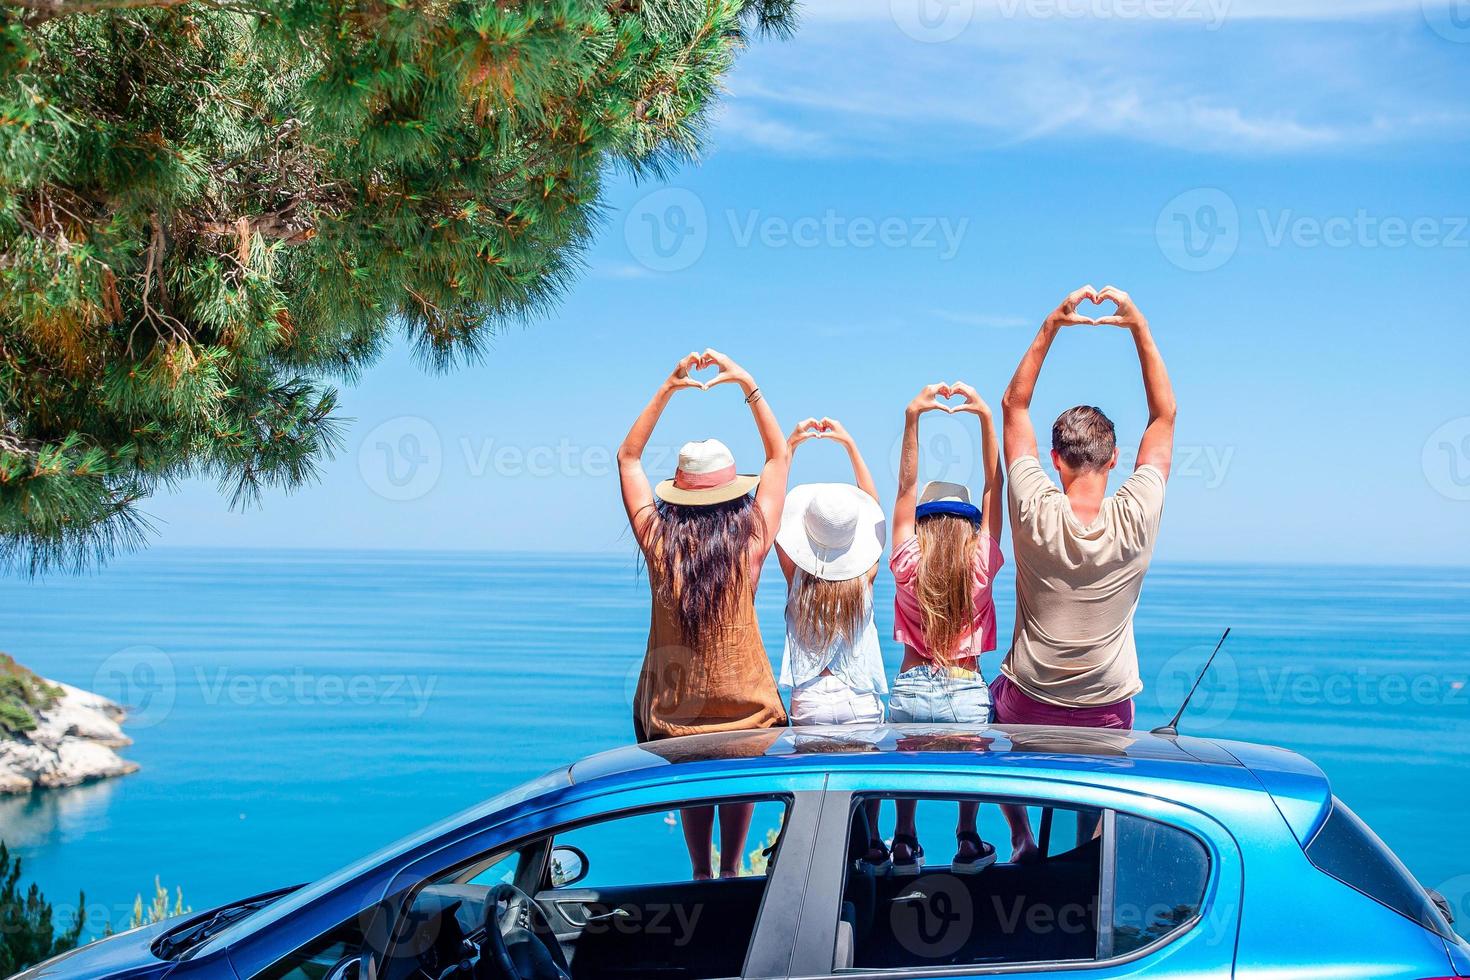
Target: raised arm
<point>908,463</point>
<point>837,432</point>
<point>805,429</point>
<point>637,493</point>
<point>993,499</point>
<point>1157,447</point>
<point>1020,434</point>
<point>770,495</point>
<point>832,429</point>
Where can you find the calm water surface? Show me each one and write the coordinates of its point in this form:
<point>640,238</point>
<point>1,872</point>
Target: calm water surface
<point>295,710</point>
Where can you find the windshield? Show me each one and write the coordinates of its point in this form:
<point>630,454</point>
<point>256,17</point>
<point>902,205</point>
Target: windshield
<point>556,779</point>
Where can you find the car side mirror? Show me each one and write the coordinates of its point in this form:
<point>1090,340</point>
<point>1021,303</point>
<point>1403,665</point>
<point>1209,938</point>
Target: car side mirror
<point>569,865</point>
<point>357,966</point>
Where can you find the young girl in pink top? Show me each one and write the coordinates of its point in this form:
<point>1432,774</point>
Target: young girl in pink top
<point>945,557</point>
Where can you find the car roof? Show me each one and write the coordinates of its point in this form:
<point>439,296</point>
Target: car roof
<point>1298,787</point>
<point>884,746</point>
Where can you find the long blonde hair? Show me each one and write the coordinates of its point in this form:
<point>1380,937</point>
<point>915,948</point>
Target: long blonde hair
<point>946,583</point>
<point>824,613</point>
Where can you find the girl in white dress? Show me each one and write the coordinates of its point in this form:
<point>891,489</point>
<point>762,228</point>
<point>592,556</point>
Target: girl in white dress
<point>831,537</point>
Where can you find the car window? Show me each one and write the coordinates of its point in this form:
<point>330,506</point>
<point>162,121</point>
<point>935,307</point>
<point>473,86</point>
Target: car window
<point>1099,886</point>
<point>1160,880</point>
<point>1349,851</point>
<point>312,961</point>
<point>1041,911</point>
<point>649,848</point>
<point>617,898</point>
<point>499,872</point>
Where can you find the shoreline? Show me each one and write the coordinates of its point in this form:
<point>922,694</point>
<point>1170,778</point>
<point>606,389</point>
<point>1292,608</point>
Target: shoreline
<point>75,741</point>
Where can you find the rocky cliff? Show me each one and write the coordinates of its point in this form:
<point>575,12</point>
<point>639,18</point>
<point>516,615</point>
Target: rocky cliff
<point>74,740</point>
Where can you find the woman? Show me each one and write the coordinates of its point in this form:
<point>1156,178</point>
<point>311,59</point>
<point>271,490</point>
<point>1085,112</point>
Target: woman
<point>704,540</point>
<point>831,537</point>
<point>945,557</point>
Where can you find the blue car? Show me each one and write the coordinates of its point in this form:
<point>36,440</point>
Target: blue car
<point>1159,857</point>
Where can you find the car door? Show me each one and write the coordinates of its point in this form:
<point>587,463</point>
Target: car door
<point>1135,886</point>
<point>631,911</point>
<point>644,925</point>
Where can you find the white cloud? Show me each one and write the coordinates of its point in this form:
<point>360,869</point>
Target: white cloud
<point>892,11</point>
<point>849,82</point>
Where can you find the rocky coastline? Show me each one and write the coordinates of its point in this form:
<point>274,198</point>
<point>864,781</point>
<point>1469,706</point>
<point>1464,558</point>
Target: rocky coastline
<point>74,740</point>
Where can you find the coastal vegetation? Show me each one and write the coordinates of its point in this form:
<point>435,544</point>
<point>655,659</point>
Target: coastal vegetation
<point>210,211</point>
<point>28,933</point>
<point>22,694</point>
<point>159,907</point>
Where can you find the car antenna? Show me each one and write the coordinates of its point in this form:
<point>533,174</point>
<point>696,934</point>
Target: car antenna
<point>1173,727</point>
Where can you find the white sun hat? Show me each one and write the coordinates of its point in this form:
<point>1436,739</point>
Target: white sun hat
<point>706,475</point>
<point>832,530</point>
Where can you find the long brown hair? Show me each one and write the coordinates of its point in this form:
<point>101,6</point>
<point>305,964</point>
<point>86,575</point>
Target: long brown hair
<point>700,560</point>
<point>823,613</point>
<point>946,583</point>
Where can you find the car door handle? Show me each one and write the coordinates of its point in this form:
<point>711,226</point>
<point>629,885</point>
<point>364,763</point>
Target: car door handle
<point>911,897</point>
<point>605,916</point>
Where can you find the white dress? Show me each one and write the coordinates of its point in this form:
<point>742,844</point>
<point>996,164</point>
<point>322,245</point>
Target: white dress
<point>838,685</point>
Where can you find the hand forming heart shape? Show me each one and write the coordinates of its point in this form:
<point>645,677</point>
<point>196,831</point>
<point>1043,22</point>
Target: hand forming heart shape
<point>948,390</point>
<point>707,365</point>
<point>1096,300</point>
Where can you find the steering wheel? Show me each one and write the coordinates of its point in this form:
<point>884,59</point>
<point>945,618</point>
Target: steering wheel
<point>519,942</point>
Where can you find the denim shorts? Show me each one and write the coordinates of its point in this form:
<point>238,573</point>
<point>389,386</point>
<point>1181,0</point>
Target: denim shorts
<point>936,695</point>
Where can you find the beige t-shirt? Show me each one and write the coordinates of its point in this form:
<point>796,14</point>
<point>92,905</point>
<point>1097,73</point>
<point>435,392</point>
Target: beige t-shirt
<point>1077,587</point>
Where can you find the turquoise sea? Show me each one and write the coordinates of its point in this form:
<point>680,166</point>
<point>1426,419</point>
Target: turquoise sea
<point>294,710</point>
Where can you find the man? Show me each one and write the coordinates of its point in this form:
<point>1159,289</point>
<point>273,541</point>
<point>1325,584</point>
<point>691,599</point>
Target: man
<point>1080,554</point>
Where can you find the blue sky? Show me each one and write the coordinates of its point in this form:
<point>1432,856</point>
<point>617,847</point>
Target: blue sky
<point>899,193</point>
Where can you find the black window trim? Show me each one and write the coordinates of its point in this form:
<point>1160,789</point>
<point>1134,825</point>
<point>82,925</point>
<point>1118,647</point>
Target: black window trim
<point>824,884</point>
<point>804,804</point>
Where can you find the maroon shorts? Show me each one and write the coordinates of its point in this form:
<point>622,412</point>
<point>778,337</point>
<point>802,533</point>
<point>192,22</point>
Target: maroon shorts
<point>1012,706</point>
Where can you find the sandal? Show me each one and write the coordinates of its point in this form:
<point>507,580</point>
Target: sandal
<point>878,859</point>
<point>982,860</point>
<point>915,863</point>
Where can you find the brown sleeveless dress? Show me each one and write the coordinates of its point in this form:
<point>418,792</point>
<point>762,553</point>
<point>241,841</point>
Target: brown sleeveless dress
<point>721,684</point>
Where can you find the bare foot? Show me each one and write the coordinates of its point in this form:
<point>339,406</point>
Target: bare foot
<point>1026,852</point>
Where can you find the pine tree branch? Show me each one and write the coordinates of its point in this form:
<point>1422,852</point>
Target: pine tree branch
<point>40,11</point>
